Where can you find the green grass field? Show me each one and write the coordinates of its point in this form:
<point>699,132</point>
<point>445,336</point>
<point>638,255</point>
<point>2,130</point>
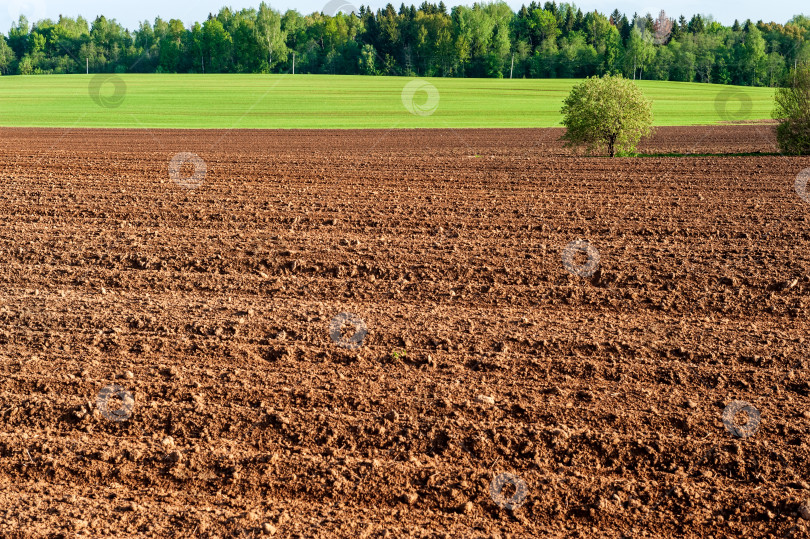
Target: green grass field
<point>324,101</point>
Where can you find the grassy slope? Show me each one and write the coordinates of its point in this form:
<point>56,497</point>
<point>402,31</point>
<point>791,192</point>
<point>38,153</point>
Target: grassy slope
<point>324,101</point>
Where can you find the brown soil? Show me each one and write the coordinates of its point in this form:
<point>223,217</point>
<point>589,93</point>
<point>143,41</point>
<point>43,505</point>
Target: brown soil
<point>604,395</point>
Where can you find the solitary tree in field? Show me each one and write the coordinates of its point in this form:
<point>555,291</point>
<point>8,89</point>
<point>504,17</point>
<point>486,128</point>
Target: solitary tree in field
<point>608,112</point>
<point>793,113</point>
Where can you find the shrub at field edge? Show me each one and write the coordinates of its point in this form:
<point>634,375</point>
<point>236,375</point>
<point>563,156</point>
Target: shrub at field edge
<point>792,110</point>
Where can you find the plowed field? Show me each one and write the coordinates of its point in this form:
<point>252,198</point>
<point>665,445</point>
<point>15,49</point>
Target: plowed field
<point>204,305</point>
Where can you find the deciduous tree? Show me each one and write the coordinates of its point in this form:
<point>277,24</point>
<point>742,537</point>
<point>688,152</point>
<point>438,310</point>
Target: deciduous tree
<point>792,111</point>
<point>609,112</point>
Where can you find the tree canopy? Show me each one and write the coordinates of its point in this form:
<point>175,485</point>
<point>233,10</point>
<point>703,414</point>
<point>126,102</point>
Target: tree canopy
<point>482,40</point>
<point>607,112</point>
<point>792,111</point>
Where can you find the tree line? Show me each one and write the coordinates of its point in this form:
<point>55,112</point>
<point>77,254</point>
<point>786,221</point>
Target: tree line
<point>485,40</point>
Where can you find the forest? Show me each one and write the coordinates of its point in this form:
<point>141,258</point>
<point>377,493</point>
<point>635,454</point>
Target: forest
<point>485,40</point>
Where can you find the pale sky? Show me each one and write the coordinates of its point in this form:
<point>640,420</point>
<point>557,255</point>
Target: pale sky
<point>131,13</point>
